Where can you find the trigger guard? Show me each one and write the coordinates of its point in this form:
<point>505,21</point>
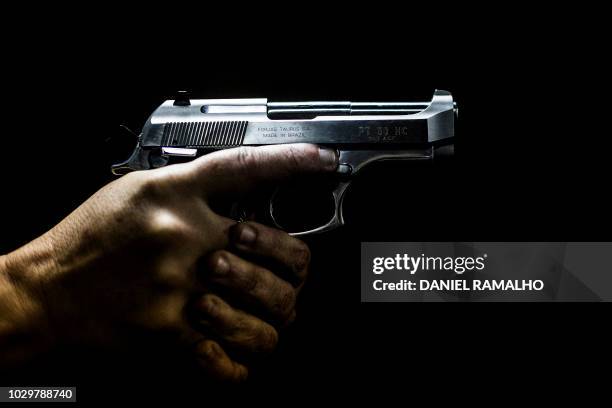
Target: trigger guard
<point>336,220</point>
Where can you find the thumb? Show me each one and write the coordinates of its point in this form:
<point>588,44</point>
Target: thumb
<point>240,170</point>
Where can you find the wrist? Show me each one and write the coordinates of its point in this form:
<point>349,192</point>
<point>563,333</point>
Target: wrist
<point>25,329</point>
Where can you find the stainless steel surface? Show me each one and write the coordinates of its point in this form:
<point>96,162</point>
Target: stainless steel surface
<point>177,151</point>
<point>336,220</point>
<point>362,132</point>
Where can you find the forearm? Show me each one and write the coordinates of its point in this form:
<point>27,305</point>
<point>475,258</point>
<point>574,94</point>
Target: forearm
<point>24,327</point>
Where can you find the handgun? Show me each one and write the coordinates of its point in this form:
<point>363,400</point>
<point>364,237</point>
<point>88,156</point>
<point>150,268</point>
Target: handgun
<point>362,133</point>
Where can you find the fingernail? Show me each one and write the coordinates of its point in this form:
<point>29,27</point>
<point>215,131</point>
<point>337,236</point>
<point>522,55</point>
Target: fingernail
<point>247,235</point>
<point>328,157</point>
<point>222,266</point>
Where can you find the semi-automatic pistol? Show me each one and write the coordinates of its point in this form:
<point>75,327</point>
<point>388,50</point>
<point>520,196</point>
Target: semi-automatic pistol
<point>361,132</point>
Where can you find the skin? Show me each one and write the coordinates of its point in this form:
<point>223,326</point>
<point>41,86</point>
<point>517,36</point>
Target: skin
<point>146,257</point>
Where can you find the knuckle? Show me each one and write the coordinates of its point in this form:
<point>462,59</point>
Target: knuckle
<point>209,350</point>
<point>216,259</point>
<point>251,281</point>
<point>267,338</point>
<point>294,156</point>
<point>207,165</point>
<point>304,152</point>
<point>302,258</point>
<point>245,277</point>
<point>211,304</point>
<point>246,156</point>
<point>286,301</point>
<point>239,326</point>
<point>166,225</point>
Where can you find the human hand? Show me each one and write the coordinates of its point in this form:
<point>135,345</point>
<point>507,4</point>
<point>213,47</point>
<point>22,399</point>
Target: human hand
<point>131,260</point>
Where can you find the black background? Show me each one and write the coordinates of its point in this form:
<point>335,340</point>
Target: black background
<point>532,164</point>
